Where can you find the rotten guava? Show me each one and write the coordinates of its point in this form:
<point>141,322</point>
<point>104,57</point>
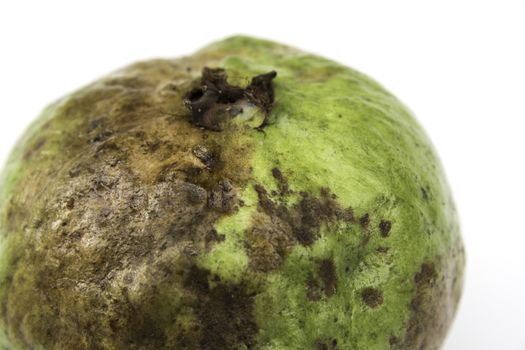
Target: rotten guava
<point>250,196</point>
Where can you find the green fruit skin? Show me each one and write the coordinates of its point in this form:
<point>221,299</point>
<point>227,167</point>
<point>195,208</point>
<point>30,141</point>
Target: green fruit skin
<point>396,273</point>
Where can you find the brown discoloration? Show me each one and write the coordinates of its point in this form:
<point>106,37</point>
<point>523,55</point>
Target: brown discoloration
<point>429,318</point>
<point>384,228</point>
<point>364,221</point>
<point>328,275</point>
<point>268,242</point>
<point>138,185</point>
<point>224,312</point>
<point>425,193</point>
<point>372,297</point>
<point>215,101</point>
<point>393,340</point>
<point>426,274</point>
<point>282,181</point>
<point>326,344</point>
<point>276,227</point>
<point>323,281</point>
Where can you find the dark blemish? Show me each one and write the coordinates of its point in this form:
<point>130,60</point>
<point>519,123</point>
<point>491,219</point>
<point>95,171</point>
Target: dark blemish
<point>223,197</point>
<point>393,340</point>
<point>384,228</point>
<point>323,282</point>
<point>209,157</point>
<point>265,202</point>
<point>372,297</point>
<point>364,221</point>
<point>213,103</point>
<point>269,239</point>
<point>347,215</point>
<point>130,236</point>
<point>197,279</point>
<point>328,275</point>
<point>282,227</point>
<point>427,321</point>
<point>326,344</point>
<point>213,236</point>
<point>282,181</point>
<point>224,312</point>
<point>313,212</point>
<point>425,194</point>
<point>426,274</point>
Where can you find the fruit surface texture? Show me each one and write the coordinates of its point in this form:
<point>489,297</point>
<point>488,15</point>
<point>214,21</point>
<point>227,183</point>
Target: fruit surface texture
<point>250,196</point>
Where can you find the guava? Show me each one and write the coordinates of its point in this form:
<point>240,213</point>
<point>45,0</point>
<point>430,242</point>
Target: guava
<point>250,196</point>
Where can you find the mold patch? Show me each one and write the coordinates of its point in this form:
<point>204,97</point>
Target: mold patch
<point>372,297</point>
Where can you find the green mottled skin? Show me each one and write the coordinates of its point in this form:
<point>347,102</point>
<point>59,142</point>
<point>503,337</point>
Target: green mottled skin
<point>83,267</point>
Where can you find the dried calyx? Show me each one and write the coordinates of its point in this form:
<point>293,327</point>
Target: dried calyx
<point>216,101</point>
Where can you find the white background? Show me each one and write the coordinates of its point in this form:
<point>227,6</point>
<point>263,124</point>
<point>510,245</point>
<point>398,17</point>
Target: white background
<point>459,65</point>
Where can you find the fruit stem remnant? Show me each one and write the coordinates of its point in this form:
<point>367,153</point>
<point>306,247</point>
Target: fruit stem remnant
<point>216,101</point>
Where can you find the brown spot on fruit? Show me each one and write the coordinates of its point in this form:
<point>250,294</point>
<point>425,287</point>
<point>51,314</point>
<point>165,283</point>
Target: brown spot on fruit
<point>282,181</point>
<point>364,221</point>
<point>139,189</point>
<point>429,316</point>
<point>326,344</point>
<point>268,242</point>
<point>224,312</point>
<point>426,274</point>
<point>323,281</point>
<point>372,297</point>
<point>393,340</point>
<point>328,275</point>
<point>276,228</point>
<point>384,228</point>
